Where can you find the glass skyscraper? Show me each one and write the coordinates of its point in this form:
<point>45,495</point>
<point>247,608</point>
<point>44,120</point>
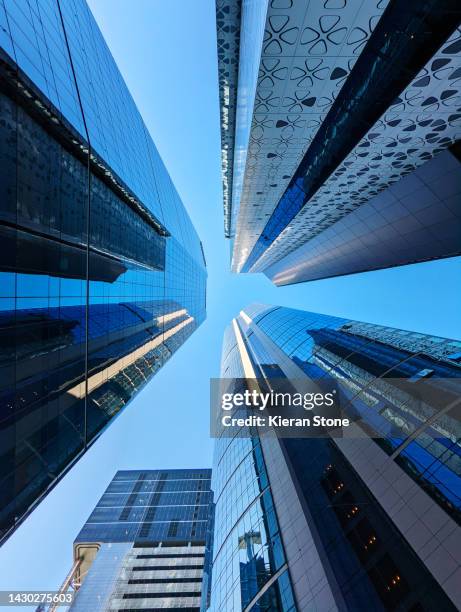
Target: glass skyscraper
<point>367,521</point>
<point>146,545</point>
<point>102,275</point>
<point>340,132</point>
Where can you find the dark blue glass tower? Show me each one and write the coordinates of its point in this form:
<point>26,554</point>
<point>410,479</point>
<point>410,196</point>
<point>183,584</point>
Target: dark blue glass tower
<point>146,545</point>
<point>102,276</point>
<point>367,521</point>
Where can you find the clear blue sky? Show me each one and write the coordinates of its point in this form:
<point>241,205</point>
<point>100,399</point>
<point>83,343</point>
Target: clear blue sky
<point>166,53</point>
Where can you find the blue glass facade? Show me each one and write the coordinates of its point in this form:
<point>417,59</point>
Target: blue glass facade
<point>102,276</point>
<point>147,543</point>
<point>327,346</point>
<point>359,523</point>
<point>249,564</point>
<point>344,109</point>
<point>152,506</point>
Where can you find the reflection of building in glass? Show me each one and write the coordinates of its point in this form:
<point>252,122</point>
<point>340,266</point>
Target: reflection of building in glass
<point>54,401</point>
<point>249,561</point>
<point>254,574</point>
<point>102,276</point>
<point>366,521</point>
<point>340,135</point>
<point>146,544</point>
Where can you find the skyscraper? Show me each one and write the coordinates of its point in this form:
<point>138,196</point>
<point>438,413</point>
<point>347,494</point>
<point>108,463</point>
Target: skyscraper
<point>145,545</point>
<point>102,276</point>
<point>340,130</point>
<point>367,521</point>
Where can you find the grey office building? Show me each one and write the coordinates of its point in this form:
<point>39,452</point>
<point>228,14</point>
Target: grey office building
<point>146,545</point>
<point>366,521</point>
<point>340,132</point>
